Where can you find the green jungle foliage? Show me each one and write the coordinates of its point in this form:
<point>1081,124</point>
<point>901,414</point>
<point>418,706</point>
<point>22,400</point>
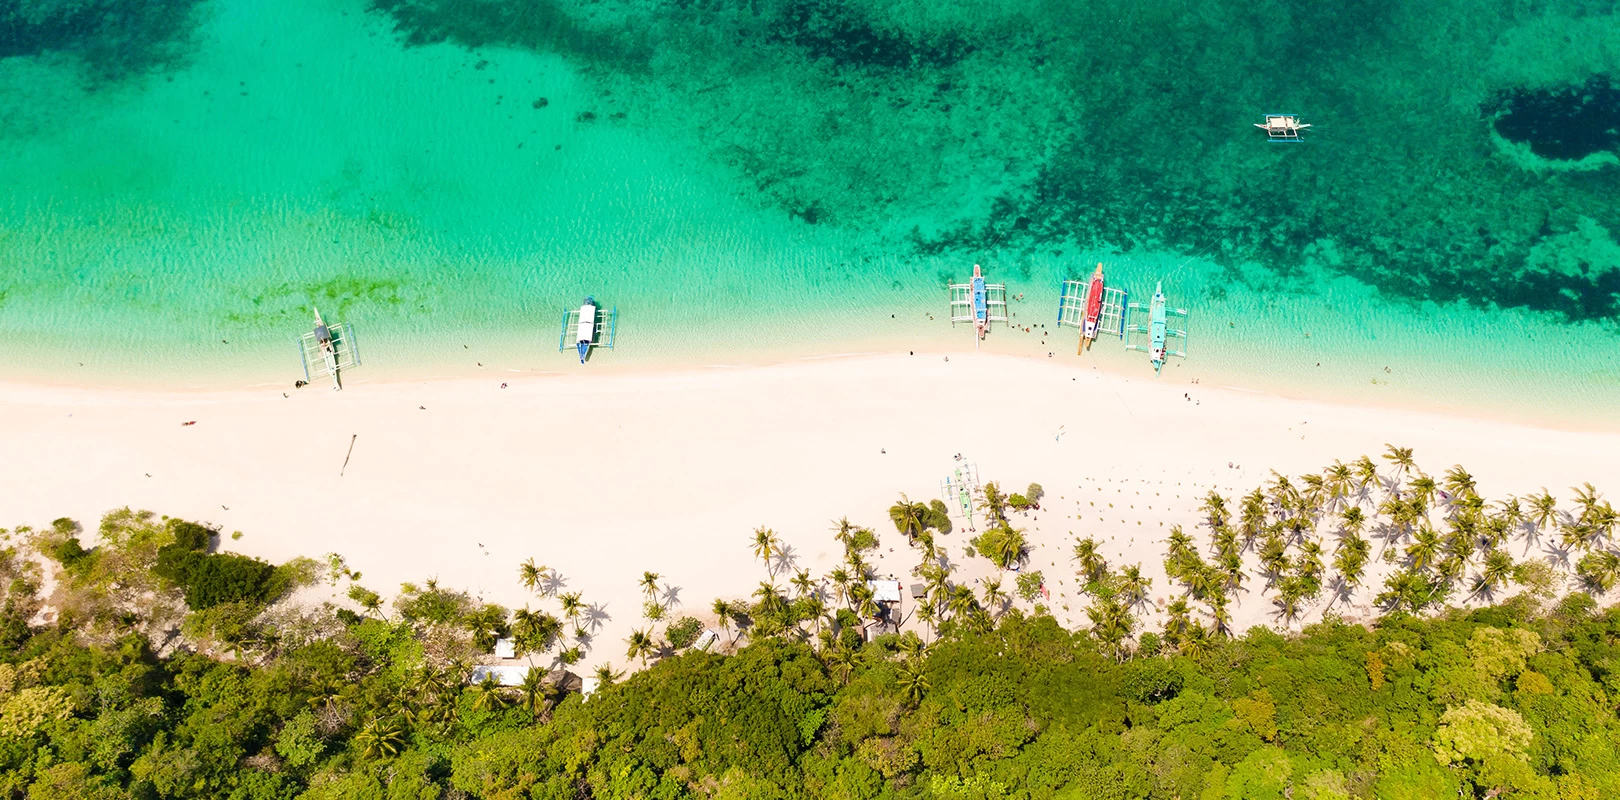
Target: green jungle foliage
<point>1508,701</point>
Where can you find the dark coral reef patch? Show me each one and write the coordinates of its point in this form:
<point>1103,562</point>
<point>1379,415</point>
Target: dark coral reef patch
<point>116,39</point>
<point>1568,123</point>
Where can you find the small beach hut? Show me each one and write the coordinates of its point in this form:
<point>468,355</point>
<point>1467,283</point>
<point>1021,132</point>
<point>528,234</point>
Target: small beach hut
<point>505,675</point>
<point>706,640</point>
<point>885,591</point>
<point>504,648</point>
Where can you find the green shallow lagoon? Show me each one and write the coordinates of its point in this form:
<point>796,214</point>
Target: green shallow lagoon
<point>179,181</point>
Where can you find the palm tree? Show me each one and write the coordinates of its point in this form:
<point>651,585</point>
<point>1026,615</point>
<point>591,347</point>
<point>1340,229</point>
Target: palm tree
<point>771,604</point>
<point>1283,492</point>
<point>811,607</point>
<point>844,532</point>
<point>1006,546</point>
<point>802,584</point>
<point>926,613</point>
<point>1423,488</point>
<point>1214,509</point>
<point>908,517</point>
<point>993,503</point>
<point>572,607</point>
<point>961,602</point>
<point>1543,509</point>
<point>1315,495</point>
<point>1091,561</point>
<point>1310,558</point>
<point>605,676</point>
<point>994,597</point>
<point>649,585</point>
<point>1586,499</point>
<point>1401,513</point>
<point>1401,457</point>
<point>1366,472</point>
<point>1600,571</point>
<point>1133,588</point>
<point>534,685</point>
<point>531,575</point>
<point>868,608</point>
<point>1352,521</point>
<point>489,697</point>
<point>1273,553</point>
<point>1339,478</point>
<point>766,546</point>
<point>1111,624</point>
<point>1458,482</point>
<point>1424,549</point>
<point>724,612</point>
<point>534,632</point>
<point>1350,559</point>
<point>380,738</point>
<point>1231,570</point>
<point>641,645</point>
<point>841,580</point>
<point>1253,519</point>
<point>1498,569</point>
<point>841,662</point>
<point>913,682</point>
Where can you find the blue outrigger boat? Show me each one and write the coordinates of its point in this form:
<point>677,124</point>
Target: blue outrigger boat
<point>1158,329</point>
<point>978,302</point>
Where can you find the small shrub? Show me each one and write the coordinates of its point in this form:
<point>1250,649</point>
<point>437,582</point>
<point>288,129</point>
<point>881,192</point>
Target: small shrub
<point>1029,585</point>
<point>863,539</point>
<point>683,632</point>
<point>190,535</point>
<point>1018,502</point>
<point>652,611</point>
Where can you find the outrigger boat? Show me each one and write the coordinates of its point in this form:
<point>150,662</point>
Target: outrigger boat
<point>328,350</point>
<point>1158,329</point>
<point>979,303</point>
<point>592,326</point>
<point>587,328</point>
<point>323,336</point>
<point>1093,308</point>
<point>1282,128</point>
<point>1094,300</point>
<point>981,310</point>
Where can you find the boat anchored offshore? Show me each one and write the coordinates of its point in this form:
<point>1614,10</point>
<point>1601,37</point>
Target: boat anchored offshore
<point>979,303</point>
<point>1282,128</point>
<point>1092,307</point>
<point>592,326</point>
<point>1158,331</point>
<point>327,350</point>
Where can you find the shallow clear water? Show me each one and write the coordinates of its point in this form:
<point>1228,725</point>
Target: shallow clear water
<point>783,176</point>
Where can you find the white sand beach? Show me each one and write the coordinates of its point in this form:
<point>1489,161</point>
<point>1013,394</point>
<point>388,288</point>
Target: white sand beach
<point>605,475</point>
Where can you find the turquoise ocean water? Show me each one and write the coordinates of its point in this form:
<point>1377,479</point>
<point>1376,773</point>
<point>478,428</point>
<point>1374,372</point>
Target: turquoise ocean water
<point>180,180</point>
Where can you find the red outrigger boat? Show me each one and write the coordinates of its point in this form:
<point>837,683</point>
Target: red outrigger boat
<point>1094,303</point>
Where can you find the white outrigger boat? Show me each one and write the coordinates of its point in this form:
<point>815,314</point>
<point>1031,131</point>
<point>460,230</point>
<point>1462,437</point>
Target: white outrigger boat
<point>328,350</point>
<point>593,326</point>
<point>1282,128</point>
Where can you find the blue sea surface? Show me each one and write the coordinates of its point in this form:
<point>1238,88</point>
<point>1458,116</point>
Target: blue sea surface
<point>182,180</point>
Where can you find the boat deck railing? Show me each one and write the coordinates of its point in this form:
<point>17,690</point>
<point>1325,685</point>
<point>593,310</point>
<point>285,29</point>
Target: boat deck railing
<point>1074,296</point>
<point>345,352</point>
<point>961,302</point>
<point>604,335</point>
